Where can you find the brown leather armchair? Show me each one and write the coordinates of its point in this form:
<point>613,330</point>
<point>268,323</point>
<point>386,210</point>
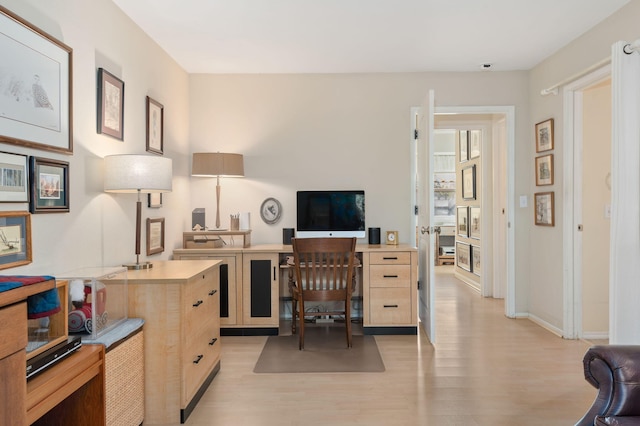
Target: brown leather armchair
<point>615,371</point>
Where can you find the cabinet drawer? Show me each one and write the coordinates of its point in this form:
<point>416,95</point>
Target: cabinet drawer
<point>389,306</point>
<point>390,258</point>
<point>198,360</point>
<point>389,275</point>
<point>14,329</point>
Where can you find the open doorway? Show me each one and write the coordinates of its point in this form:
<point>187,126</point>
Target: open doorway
<point>587,214</point>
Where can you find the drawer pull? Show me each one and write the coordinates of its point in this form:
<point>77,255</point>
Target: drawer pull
<point>198,303</point>
<point>390,276</point>
<point>212,292</point>
<point>198,359</point>
<point>390,258</point>
<point>213,341</point>
<point>390,306</point>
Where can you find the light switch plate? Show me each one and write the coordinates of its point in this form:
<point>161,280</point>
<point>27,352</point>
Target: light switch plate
<point>523,201</point>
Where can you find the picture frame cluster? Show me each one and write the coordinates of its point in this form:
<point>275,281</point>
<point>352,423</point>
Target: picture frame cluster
<point>544,170</point>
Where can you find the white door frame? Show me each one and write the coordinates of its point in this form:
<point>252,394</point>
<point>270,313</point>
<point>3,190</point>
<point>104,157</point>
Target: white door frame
<point>572,205</point>
<point>509,113</point>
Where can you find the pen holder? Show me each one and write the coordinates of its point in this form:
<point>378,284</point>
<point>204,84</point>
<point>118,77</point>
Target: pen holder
<point>235,223</point>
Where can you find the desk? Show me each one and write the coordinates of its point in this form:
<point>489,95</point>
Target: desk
<point>254,281</point>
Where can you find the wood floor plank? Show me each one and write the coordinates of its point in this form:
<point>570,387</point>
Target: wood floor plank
<point>486,369</point>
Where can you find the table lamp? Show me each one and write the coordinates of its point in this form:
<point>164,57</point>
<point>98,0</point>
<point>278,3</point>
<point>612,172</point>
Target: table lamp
<point>217,164</point>
<point>129,173</point>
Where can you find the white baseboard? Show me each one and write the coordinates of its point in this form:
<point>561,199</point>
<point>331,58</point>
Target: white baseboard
<point>555,330</point>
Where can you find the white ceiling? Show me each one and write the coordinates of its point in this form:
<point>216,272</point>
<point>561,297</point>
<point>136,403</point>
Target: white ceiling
<point>341,36</point>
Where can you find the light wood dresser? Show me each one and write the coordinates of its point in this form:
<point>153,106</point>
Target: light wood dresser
<point>180,303</point>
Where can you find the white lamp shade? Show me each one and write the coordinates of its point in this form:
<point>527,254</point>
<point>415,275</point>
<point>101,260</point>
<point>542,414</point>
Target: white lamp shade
<point>217,164</point>
<point>133,173</point>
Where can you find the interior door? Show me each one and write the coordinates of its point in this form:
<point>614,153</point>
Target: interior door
<point>426,238</point>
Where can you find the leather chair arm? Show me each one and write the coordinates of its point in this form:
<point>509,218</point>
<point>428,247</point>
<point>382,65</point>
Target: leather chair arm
<point>615,371</point>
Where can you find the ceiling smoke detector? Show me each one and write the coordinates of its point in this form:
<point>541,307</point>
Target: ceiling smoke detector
<point>486,66</point>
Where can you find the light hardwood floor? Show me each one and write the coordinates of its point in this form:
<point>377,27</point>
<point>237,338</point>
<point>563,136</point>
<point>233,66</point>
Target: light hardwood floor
<point>485,369</point>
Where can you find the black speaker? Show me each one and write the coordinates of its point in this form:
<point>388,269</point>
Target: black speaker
<point>287,235</point>
<point>374,235</point>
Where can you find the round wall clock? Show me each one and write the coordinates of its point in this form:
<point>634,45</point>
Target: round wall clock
<point>270,211</point>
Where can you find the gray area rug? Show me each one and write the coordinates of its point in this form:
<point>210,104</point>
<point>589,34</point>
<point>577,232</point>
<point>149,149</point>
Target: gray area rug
<point>325,351</point>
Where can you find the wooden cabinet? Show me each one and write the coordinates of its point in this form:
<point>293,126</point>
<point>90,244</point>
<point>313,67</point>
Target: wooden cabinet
<point>13,385</point>
<point>230,280</point>
<point>390,303</point>
<point>179,301</point>
<point>260,289</point>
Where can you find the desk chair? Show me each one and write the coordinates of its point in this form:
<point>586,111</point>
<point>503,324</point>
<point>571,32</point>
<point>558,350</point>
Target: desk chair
<point>324,272</point>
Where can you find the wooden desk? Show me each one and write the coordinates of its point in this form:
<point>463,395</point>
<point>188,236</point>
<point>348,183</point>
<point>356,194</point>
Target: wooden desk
<point>179,302</point>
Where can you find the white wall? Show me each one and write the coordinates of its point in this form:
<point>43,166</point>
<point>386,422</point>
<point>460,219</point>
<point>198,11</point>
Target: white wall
<point>545,243</point>
<point>100,229</point>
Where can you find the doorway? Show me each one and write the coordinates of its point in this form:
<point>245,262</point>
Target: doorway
<point>499,175</point>
<point>587,212</point>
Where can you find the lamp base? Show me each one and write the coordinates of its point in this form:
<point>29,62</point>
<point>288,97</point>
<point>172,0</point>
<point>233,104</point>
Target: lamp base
<point>138,266</point>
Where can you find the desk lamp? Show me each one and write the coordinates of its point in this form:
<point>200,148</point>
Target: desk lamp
<point>130,173</point>
<point>217,164</point>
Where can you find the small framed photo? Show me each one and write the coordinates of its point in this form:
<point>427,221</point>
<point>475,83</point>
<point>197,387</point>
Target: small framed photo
<point>463,256</point>
<point>463,145</point>
<point>155,236</point>
<point>15,239</point>
<point>155,126</point>
<point>475,138</point>
<point>544,135</point>
<point>474,222</point>
<point>154,200</point>
<point>14,187</point>
<point>49,185</point>
<point>110,104</point>
<point>476,266</point>
<point>545,210</point>
<point>462,221</point>
<point>544,170</point>
<point>469,183</point>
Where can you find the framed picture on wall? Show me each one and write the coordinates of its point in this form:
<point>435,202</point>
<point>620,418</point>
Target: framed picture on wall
<point>13,178</point>
<point>110,104</point>
<point>545,210</point>
<point>155,236</point>
<point>49,186</point>
<point>36,87</point>
<point>463,145</point>
<point>154,200</point>
<point>474,222</point>
<point>476,265</point>
<point>544,135</point>
<point>463,256</point>
<point>15,239</point>
<point>475,138</point>
<point>469,183</point>
<point>155,126</point>
<point>462,221</point>
<point>544,170</point>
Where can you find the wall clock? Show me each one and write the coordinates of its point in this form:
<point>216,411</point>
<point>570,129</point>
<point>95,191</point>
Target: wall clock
<point>392,237</point>
<point>270,211</point>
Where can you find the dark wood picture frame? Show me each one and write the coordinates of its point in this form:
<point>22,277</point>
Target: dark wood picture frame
<point>42,69</point>
<point>469,183</point>
<point>463,145</point>
<point>15,239</point>
<point>49,185</point>
<point>463,256</point>
<point>544,135</point>
<point>545,208</point>
<point>155,236</point>
<point>462,221</point>
<point>155,126</point>
<point>110,104</point>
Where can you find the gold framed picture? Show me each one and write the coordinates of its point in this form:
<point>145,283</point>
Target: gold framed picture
<point>544,135</point>
<point>545,209</point>
<point>544,170</point>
